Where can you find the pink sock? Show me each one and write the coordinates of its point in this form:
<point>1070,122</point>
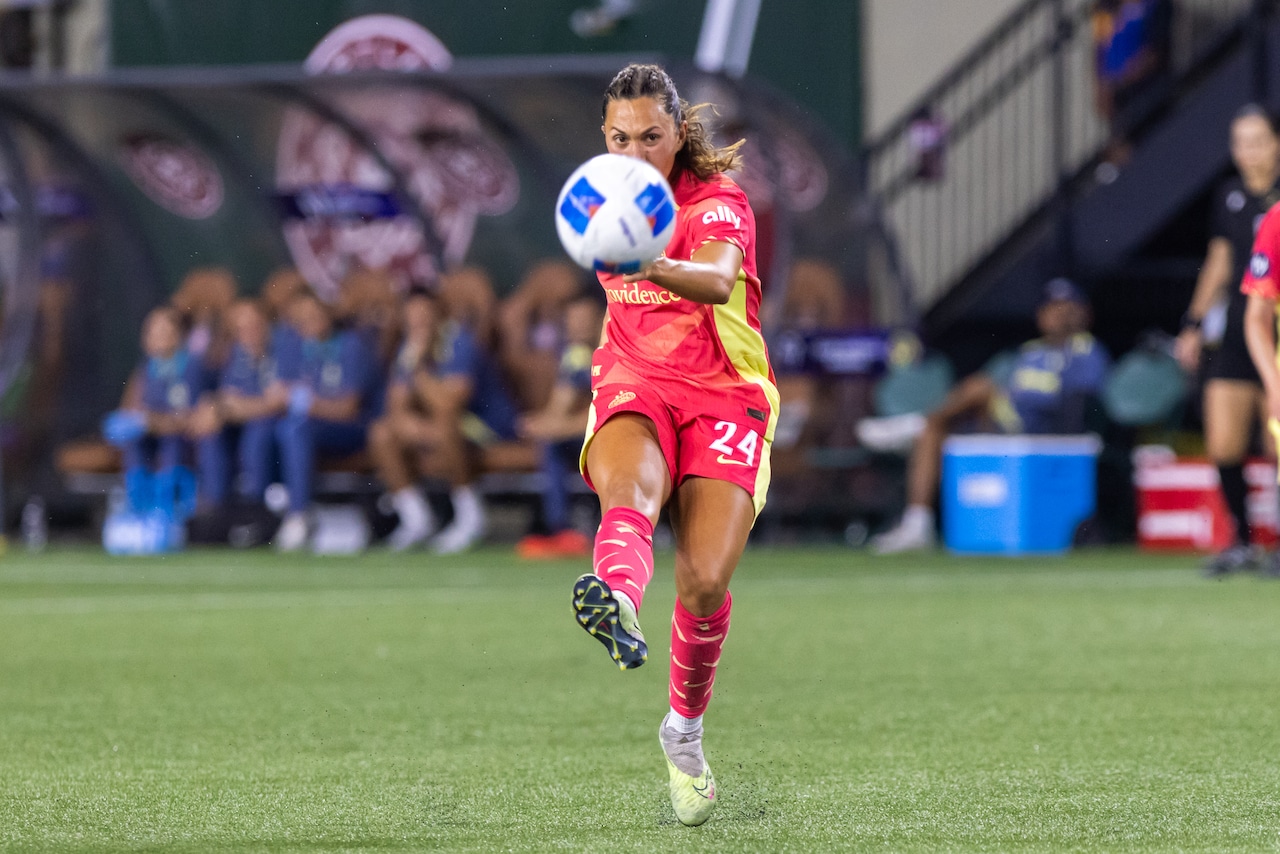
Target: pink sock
<point>695,652</point>
<point>623,556</point>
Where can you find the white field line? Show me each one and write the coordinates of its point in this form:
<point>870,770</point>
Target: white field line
<point>247,600</point>
<point>1076,579</point>
<point>383,597</point>
<point>239,577</point>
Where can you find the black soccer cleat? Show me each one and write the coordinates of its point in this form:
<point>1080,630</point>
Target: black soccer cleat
<point>609,620</point>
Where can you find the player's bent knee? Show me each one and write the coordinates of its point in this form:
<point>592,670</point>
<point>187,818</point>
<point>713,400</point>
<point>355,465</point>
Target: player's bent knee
<point>702,589</point>
<point>705,602</point>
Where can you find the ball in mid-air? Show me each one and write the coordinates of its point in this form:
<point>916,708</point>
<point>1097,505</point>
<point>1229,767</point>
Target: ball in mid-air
<point>615,214</point>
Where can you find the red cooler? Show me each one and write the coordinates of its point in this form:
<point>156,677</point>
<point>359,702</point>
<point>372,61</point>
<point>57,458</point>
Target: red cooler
<point>1180,506</point>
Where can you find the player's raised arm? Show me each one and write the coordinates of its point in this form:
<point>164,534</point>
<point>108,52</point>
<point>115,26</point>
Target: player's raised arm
<point>708,277</point>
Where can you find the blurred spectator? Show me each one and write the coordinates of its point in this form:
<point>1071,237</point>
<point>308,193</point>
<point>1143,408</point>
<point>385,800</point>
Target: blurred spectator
<point>445,401</point>
<point>279,290</point>
<point>927,136</point>
<point>239,419</point>
<point>151,427</point>
<point>201,299</point>
<point>1052,385</point>
<point>328,409</point>
<point>468,298</point>
<point>531,338</point>
<point>1213,326</point>
<point>278,293</point>
<point>367,302</point>
<point>814,301</point>
<point>1131,41</point>
<point>559,427</point>
<point>815,297</point>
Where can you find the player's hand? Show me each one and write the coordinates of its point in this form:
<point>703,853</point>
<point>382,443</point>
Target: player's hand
<point>1186,349</point>
<point>651,273</point>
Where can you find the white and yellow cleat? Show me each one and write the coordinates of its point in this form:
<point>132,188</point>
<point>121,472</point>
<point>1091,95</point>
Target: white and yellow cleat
<point>690,782</point>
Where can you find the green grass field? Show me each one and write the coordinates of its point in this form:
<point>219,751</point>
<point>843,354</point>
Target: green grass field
<point>1108,701</point>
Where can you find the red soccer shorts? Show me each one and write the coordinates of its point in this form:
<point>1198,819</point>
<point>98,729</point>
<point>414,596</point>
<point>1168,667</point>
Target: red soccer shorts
<point>716,434</point>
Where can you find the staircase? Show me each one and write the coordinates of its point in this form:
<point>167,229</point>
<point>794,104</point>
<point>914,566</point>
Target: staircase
<point>1017,201</point>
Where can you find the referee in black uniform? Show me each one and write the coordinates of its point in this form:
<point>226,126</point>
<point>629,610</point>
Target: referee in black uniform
<point>1213,326</point>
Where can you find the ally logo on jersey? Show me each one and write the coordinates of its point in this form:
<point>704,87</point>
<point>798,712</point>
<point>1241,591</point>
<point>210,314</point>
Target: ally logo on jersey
<point>722,213</point>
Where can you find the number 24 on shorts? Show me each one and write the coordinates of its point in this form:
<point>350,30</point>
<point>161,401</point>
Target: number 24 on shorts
<point>729,453</point>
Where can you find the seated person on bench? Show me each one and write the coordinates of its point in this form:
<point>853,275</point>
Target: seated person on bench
<point>238,420</point>
<point>559,427</point>
<point>328,411</point>
<point>445,401</point>
<point>1049,390</point>
<point>152,425</point>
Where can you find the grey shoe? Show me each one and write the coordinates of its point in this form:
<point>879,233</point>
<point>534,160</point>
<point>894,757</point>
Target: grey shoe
<point>1238,558</point>
<point>1270,565</point>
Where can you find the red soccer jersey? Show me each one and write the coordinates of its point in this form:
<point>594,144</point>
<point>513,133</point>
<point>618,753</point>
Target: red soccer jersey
<point>1264,265</point>
<point>655,334</point>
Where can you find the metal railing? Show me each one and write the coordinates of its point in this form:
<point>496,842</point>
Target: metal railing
<point>1019,119</point>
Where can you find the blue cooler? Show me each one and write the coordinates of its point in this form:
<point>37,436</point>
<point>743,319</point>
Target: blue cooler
<point>1017,494</point>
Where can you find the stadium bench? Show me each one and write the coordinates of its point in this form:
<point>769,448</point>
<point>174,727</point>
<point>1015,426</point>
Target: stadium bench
<point>508,469</point>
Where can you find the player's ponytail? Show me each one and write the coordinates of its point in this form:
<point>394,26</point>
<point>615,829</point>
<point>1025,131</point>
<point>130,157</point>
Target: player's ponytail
<point>699,154</point>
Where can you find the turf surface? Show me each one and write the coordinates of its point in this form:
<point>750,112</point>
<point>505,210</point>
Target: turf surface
<point>227,700</point>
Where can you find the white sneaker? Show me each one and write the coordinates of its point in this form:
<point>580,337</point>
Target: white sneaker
<point>417,522</point>
<point>405,537</point>
<point>893,433</point>
<point>914,533</point>
<point>468,523</point>
<point>457,537</point>
<point>293,532</point>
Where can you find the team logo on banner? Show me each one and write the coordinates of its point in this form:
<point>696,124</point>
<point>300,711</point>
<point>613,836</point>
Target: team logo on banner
<point>452,170</point>
<point>175,175</point>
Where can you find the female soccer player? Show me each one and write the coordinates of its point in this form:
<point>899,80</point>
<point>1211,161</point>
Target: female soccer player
<point>1262,286</point>
<point>683,411</point>
<point>1233,396</point>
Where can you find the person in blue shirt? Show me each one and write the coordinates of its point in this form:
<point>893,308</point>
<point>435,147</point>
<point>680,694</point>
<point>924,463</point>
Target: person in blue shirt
<point>239,418</point>
<point>328,407</point>
<point>277,294</point>
<point>1131,40</point>
<point>1054,381</point>
<point>558,429</point>
<point>152,426</point>
<point>444,401</point>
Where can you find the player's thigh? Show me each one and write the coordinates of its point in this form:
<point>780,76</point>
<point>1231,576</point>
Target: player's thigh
<point>1230,413</point>
<point>627,466</point>
<point>712,520</point>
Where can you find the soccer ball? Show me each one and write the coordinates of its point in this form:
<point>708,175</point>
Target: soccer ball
<point>615,214</point>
